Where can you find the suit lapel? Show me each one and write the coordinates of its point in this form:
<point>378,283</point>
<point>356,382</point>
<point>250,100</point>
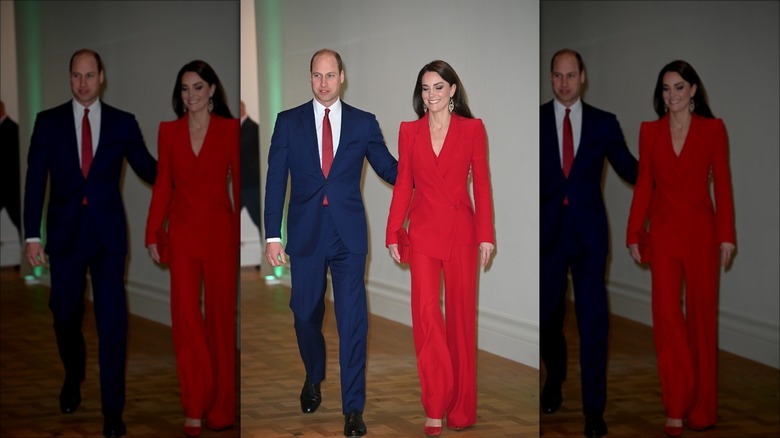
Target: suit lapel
<point>549,139</point>
<point>310,142</point>
<point>70,142</point>
<point>428,158</point>
<point>586,133</point>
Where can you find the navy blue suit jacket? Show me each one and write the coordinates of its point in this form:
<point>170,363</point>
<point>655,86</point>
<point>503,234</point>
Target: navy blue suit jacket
<point>294,152</point>
<point>54,155</point>
<point>600,138</point>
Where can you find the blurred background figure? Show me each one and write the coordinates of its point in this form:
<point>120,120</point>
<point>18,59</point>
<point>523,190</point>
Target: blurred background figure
<point>250,168</point>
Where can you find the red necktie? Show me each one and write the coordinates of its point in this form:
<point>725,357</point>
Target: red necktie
<point>568,148</point>
<point>86,147</point>
<point>327,148</point>
<point>86,144</point>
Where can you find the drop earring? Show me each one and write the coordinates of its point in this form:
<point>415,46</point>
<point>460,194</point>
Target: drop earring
<point>211,105</point>
<point>452,105</point>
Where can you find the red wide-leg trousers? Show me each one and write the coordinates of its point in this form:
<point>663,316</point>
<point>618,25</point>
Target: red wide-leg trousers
<point>446,348</point>
<point>687,345</point>
<point>205,344</point>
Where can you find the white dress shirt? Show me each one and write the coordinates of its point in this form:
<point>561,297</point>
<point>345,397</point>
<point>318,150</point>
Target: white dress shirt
<point>94,124</point>
<point>575,117</point>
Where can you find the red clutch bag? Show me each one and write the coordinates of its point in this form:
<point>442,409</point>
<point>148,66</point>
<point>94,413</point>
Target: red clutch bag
<point>645,249</point>
<point>404,245</point>
<point>163,245</point>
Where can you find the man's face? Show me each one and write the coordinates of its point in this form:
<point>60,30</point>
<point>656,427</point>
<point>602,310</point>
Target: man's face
<point>325,79</point>
<point>567,79</point>
<point>85,80</point>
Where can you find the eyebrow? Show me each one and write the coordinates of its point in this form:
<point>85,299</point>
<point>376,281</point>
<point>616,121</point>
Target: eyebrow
<point>438,83</point>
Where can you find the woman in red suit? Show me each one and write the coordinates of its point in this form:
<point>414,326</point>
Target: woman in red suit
<point>680,154</point>
<point>437,155</point>
<point>198,160</point>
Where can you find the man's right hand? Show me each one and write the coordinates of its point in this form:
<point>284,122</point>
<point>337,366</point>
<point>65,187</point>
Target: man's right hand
<point>34,253</point>
<point>274,253</point>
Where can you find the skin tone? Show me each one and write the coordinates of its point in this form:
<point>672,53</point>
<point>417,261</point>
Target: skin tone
<point>677,94</point>
<point>85,83</point>
<point>195,94</point>
<point>326,82</point>
<point>436,95</point>
<point>567,79</point>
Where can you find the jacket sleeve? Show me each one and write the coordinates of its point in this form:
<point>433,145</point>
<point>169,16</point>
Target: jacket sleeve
<point>276,179</point>
<point>234,138</point>
<point>35,182</point>
<point>138,155</point>
<point>163,185</point>
<point>483,202</point>
<point>721,176</point>
<point>643,190</point>
<point>402,191</point>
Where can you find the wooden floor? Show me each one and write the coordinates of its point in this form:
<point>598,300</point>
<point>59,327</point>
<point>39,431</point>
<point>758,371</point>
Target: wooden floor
<point>272,373</point>
<point>31,374</point>
<point>749,393</point>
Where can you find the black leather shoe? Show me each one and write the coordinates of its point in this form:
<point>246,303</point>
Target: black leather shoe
<point>595,426</point>
<point>113,426</point>
<point>551,398</point>
<point>353,424</point>
<point>310,397</point>
<point>70,397</point>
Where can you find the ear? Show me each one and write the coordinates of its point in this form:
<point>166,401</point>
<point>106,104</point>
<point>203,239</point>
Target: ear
<point>693,90</point>
<point>582,78</point>
<point>100,76</point>
<point>212,89</point>
<point>341,77</point>
<point>454,89</point>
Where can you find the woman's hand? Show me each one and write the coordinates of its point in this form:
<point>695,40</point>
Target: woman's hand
<point>153,253</point>
<point>634,250</point>
<point>485,250</point>
<point>726,253</point>
<point>393,248</point>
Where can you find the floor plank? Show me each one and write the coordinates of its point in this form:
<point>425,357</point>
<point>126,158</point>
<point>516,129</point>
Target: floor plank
<point>749,392</point>
<point>31,373</point>
<point>272,375</point>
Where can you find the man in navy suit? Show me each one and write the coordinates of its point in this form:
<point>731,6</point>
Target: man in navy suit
<point>80,147</point>
<point>321,145</point>
<point>574,233</point>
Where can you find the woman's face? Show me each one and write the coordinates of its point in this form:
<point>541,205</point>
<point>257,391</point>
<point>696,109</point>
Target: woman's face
<point>195,92</point>
<point>677,92</point>
<point>436,92</point>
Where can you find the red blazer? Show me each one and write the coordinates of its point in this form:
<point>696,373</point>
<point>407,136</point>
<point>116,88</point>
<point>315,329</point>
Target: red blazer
<point>674,192</point>
<point>192,191</point>
<point>434,191</point>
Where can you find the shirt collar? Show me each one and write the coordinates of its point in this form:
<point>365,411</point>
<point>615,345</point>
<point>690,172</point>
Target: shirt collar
<point>78,109</point>
<point>560,109</point>
<point>319,109</point>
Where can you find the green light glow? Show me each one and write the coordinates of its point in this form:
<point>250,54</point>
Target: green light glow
<point>29,67</point>
<point>269,18</point>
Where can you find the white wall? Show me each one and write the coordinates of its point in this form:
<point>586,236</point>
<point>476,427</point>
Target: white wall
<point>143,45</point>
<point>494,47</point>
<point>733,45</point>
